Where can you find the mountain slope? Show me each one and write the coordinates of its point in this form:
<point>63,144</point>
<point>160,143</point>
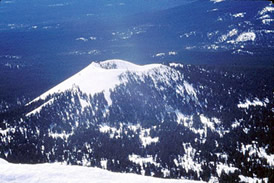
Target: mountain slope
<point>173,121</point>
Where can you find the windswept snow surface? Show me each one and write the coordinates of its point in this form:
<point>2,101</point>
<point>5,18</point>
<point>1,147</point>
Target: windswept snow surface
<point>58,173</point>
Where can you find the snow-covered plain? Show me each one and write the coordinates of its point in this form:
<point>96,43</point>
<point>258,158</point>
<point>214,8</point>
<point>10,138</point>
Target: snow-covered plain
<point>58,173</point>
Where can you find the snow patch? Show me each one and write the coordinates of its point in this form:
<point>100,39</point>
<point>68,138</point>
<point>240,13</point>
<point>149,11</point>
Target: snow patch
<point>187,160</point>
<point>84,103</point>
<point>144,133</point>
<point>267,21</point>
<point>254,149</point>
<point>104,163</point>
<point>81,39</point>
<point>248,103</point>
<point>217,1</point>
<point>176,65</point>
<point>93,38</point>
<point>112,131</point>
<point>231,33</point>
<point>62,135</point>
<point>227,169</point>
<point>160,54</point>
<point>182,119</point>
<point>252,179</point>
<point>266,10</point>
<point>242,52</point>
<point>189,89</point>
<point>172,53</point>
<point>187,35</point>
<point>236,123</point>
<point>215,9</point>
<point>241,15</point>
<point>6,131</point>
<point>146,139</point>
<point>207,122</point>
<point>246,36</point>
<point>143,160</point>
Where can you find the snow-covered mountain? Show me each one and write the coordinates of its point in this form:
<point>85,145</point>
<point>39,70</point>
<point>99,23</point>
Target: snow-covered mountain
<point>106,76</point>
<point>162,120</point>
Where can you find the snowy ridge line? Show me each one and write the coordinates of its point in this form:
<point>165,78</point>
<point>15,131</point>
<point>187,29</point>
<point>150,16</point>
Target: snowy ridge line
<point>58,173</point>
<point>101,76</point>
